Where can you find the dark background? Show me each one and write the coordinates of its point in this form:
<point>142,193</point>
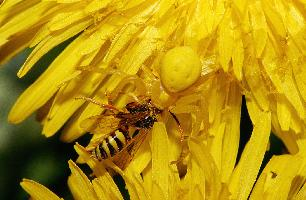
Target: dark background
<point>26,153</point>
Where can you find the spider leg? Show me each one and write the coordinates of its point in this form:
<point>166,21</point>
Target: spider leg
<point>105,106</point>
<point>183,137</point>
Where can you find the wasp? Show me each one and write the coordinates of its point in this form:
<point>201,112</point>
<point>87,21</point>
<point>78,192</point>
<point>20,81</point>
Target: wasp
<point>125,129</point>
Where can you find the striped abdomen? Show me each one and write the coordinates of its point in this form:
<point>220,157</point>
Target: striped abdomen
<point>112,144</point>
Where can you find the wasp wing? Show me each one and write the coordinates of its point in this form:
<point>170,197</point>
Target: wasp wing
<point>123,158</point>
<point>100,124</point>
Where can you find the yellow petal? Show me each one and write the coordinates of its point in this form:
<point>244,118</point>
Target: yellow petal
<point>12,47</point>
<point>65,19</point>
<point>224,194</point>
<point>186,186</point>
<point>280,173</point>
<point>48,43</point>
<point>128,32</point>
<point>79,184</point>
<point>252,74</point>
<point>295,23</point>
<point>21,21</point>
<point>274,18</point>
<point>197,182</point>
<point>47,84</point>
<point>133,181</point>
<point>241,6</point>
<point>143,156</point>
<point>100,189</point>
<point>135,55</point>
<point>215,14</point>
<point>121,40</point>
<point>252,107</point>
<point>301,195</point>
<point>226,40</point>
<point>103,185</point>
<point>259,27</point>
<point>216,146</point>
<point>135,185</point>
<point>231,136</point>
<point>130,64</point>
<point>196,29</point>
<point>65,1</point>
<point>244,175</point>
<point>288,137</point>
<point>283,113</point>
<point>217,98</point>
<point>174,183</point>
<point>258,190</point>
<point>95,5</point>
<point>8,4</point>
<point>38,191</point>
<point>104,190</point>
<point>147,179</point>
<point>104,32</point>
<point>160,162</point>
<point>201,155</point>
<point>163,8</point>
<point>238,57</point>
<point>62,109</point>
<point>282,78</point>
<point>298,67</point>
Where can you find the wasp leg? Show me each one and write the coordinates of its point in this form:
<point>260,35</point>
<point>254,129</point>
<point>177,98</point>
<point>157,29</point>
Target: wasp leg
<point>105,106</point>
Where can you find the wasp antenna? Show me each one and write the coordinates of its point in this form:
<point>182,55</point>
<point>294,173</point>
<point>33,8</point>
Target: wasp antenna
<point>105,106</point>
<point>178,124</point>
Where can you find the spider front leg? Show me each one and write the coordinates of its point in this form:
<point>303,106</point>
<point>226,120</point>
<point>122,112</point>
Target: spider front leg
<point>183,137</point>
<point>184,150</point>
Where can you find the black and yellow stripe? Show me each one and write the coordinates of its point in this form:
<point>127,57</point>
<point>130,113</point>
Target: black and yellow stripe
<point>112,144</point>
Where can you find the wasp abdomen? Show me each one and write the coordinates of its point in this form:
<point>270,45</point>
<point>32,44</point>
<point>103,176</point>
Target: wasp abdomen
<point>111,145</point>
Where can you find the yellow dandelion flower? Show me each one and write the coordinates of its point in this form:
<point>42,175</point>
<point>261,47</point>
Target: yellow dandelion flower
<point>159,180</point>
<point>196,59</point>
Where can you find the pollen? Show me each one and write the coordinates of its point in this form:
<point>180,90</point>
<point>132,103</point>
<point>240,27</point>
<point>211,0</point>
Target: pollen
<point>180,68</point>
